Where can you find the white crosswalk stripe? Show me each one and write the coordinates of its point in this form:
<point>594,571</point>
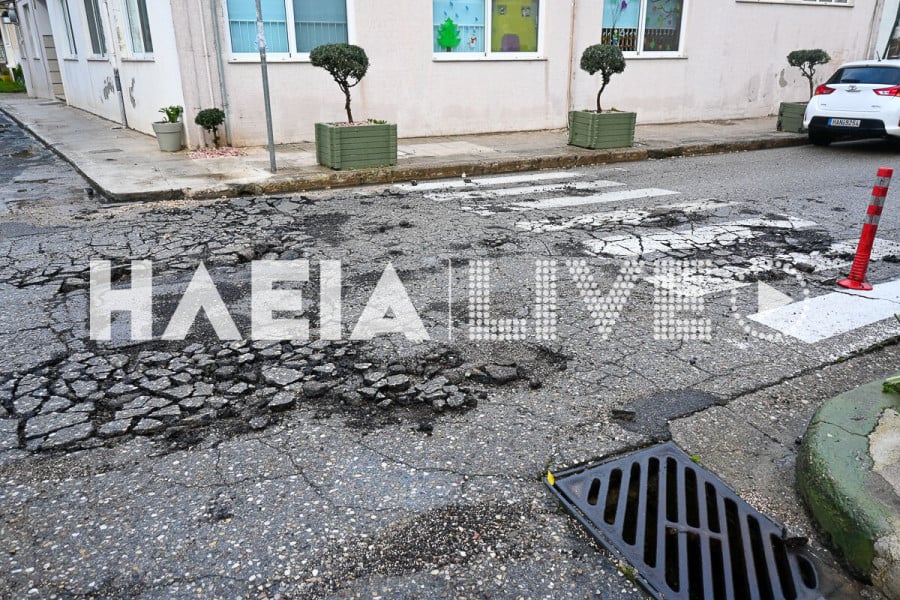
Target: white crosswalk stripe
<point>485,181</point>
<point>628,216</point>
<point>483,194</point>
<point>810,320</point>
<point>823,317</point>
<point>697,238</point>
<point>573,201</point>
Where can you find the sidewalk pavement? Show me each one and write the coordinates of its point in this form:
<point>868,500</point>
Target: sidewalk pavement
<point>127,165</point>
<point>848,471</point>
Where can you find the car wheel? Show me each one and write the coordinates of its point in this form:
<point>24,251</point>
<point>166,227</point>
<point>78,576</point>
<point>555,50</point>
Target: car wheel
<point>818,138</point>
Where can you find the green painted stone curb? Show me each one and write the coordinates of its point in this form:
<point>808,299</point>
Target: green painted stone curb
<point>852,505</point>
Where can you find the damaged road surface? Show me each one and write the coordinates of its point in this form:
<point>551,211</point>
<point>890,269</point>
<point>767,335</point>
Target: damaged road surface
<point>557,331</point>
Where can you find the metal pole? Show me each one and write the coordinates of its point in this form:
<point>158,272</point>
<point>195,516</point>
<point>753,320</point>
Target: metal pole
<point>261,41</point>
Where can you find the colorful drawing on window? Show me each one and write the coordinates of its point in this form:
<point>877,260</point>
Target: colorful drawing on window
<point>664,15</point>
<point>448,35</point>
<point>467,17</point>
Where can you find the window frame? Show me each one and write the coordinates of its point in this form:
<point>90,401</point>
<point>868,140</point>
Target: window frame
<point>98,24</point>
<point>289,56</point>
<point>832,3</point>
<point>642,26</point>
<point>146,32</point>
<point>70,30</point>
<point>488,54</point>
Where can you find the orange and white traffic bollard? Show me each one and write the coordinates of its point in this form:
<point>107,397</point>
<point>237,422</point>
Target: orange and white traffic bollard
<point>857,278</point>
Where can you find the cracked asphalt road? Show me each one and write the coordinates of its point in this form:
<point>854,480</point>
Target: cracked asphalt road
<point>387,468</point>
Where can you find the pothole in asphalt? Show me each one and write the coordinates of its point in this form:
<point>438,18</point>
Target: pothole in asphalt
<point>180,394</point>
<point>650,416</point>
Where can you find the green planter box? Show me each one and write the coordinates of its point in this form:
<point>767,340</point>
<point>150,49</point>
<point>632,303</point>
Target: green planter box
<point>356,146</point>
<point>601,130</point>
<point>790,117</point>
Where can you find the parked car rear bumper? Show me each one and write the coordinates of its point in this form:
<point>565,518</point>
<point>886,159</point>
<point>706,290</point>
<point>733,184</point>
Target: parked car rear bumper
<point>868,128</point>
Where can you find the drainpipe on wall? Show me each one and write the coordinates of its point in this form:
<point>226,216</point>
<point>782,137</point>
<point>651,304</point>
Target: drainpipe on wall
<point>569,83</point>
<point>217,44</point>
<point>209,83</point>
<point>113,51</point>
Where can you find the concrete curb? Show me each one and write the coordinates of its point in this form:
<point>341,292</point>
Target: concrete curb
<point>855,507</point>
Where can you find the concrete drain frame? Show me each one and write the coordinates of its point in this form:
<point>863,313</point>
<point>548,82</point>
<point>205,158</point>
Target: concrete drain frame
<point>684,531</point>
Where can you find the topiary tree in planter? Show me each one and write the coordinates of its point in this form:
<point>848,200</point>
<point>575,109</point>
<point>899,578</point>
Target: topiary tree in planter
<point>210,119</point>
<point>347,64</point>
<point>807,61</point>
<point>605,59</point>
<point>790,114</point>
<point>351,145</point>
<point>595,130</point>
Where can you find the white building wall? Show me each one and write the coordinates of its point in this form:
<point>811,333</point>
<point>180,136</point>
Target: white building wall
<point>148,82</point>
<point>404,83</point>
<point>734,63</point>
<point>10,44</point>
<point>33,23</point>
<point>733,66</point>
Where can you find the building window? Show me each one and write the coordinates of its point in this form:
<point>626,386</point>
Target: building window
<point>95,27</point>
<point>486,26</point>
<point>643,26</point>
<point>312,23</point>
<point>847,3</point>
<point>67,21</point>
<point>139,26</point>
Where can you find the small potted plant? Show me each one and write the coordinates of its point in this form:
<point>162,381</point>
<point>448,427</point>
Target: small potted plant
<point>170,131</point>
<point>790,114</point>
<point>599,129</point>
<point>210,119</point>
<point>351,145</point>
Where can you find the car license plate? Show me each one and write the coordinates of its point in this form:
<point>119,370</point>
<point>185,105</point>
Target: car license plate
<point>844,122</point>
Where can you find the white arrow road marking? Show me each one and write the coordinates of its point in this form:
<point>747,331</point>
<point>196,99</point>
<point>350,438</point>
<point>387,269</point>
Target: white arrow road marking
<point>722,235</point>
<point>476,181</point>
<point>822,317</point>
<point>487,194</point>
<point>569,201</point>
<point>768,298</point>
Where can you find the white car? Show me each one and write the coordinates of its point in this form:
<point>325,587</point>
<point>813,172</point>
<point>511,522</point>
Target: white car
<point>861,100</point>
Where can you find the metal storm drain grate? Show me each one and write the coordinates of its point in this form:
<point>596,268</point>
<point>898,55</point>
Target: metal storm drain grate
<point>686,533</point>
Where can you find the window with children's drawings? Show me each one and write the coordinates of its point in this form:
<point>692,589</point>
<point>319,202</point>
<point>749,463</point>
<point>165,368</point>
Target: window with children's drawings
<point>465,29</point>
<point>644,27</point>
